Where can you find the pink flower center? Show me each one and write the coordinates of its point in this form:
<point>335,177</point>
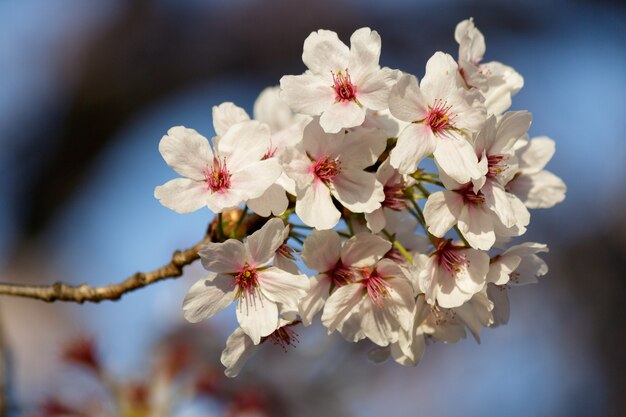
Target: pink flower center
<point>469,196</point>
<point>326,169</point>
<point>449,257</point>
<point>246,281</point>
<point>440,117</point>
<point>375,285</point>
<point>344,89</point>
<point>218,177</point>
<point>341,274</point>
<point>496,165</point>
<point>284,336</point>
<point>394,196</point>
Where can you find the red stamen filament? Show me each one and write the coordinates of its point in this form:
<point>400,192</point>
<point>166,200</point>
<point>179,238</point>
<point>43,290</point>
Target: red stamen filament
<point>246,281</point>
<point>496,165</point>
<point>376,286</point>
<point>449,258</point>
<point>344,89</point>
<point>218,177</point>
<point>439,117</point>
<point>326,169</point>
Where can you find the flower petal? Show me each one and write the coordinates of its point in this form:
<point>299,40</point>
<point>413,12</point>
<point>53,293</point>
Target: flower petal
<point>257,315</point>
<point>342,114</point>
<point>208,296</point>
<point>183,195</point>
<point>243,144</point>
<point>186,151</point>
<point>415,143</point>
<point>441,211</point>
<point>307,93</point>
<point>320,251</point>
<point>315,207</point>
<point>340,305</point>
<point>324,52</point>
<point>315,298</point>
<point>272,201</point>
<point>226,115</point>
<point>263,243</point>
<point>364,249</point>
<point>239,348</point>
<point>406,100</point>
<point>256,178</point>
<point>282,287</point>
<point>224,257</point>
<point>359,191</point>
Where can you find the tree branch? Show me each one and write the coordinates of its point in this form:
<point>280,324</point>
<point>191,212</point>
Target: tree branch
<point>81,293</point>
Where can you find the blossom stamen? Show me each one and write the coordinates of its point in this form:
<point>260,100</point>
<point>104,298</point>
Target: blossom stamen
<point>246,281</point>
<point>449,258</point>
<point>496,165</point>
<point>284,336</point>
<point>341,274</point>
<point>376,286</point>
<point>344,89</point>
<point>439,117</point>
<point>469,196</point>
<point>394,196</point>
<point>218,176</point>
<point>326,169</point>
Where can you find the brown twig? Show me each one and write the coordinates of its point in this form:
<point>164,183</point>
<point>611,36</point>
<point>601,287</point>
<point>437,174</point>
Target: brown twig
<point>84,292</point>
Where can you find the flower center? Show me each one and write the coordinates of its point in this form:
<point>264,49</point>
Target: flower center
<point>440,117</point>
<point>341,274</point>
<point>246,281</point>
<point>394,196</point>
<point>469,196</point>
<point>344,89</point>
<point>496,165</point>
<point>218,177</point>
<point>284,336</point>
<point>375,285</point>
<point>449,258</point>
<point>326,169</point>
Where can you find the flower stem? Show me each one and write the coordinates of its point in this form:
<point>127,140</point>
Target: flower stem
<point>399,246</point>
<point>220,227</point>
<point>456,229</point>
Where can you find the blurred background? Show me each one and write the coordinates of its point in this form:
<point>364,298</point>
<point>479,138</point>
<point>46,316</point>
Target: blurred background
<point>87,89</point>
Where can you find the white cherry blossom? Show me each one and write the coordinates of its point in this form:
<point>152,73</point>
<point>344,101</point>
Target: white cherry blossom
<point>242,273</point>
<point>341,83</point>
<point>452,274</point>
<point>442,116</point>
<point>334,165</point>
<point>533,185</point>
<point>233,174</point>
<point>496,81</point>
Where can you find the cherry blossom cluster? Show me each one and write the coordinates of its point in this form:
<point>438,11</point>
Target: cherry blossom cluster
<point>399,196</point>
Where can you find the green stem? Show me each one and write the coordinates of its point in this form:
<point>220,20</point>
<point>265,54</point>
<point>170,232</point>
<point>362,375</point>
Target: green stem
<point>220,227</point>
<point>349,223</point>
<point>240,221</point>
<point>431,181</point>
<point>456,228</point>
<point>399,246</point>
<point>301,226</point>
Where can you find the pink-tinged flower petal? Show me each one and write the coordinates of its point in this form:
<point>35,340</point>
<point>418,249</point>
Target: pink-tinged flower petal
<point>376,220</point>
<point>224,200</point>
<point>257,177</point>
<point>239,348</point>
<point>501,307</point>
<point>365,45</point>
<point>503,83</point>
<point>476,314</point>
<point>500,270</point>
<point>441,211</point>
<point>315,207</point>
<point>324,52</point>
<point>340,305</point>
<point>257,316</point>
<point>406,100</point>
<point>415,143</point>
<point>531,266</point>
<point>225,257</point>
<point>298,167</point>
<point>476,225</point>
<point>457,158</point>
<point>183,195</point>
<point>375,87</point>
<point>314,300</point>
<point>319,144</point>
<point>282,287</point>
<point>499,201</point>
<point>227,115</point>
<point>534,157</point>
<point>472,278</point>
<point>359,191</point>
<point>263,244</point>
<point>442,79</point>
<point>320,251</point>
<point>364,249</point>
<point>512,126</point>
<point>186,151</point>
<point>307,93</point>
<point>361,147</point>
<point>243,144</point>
<point>272,201</point>
<point>208,296</point>
<point>271,109</point>
<point>342,114</point>
<point>471,42</point>
<point>540,190</point>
